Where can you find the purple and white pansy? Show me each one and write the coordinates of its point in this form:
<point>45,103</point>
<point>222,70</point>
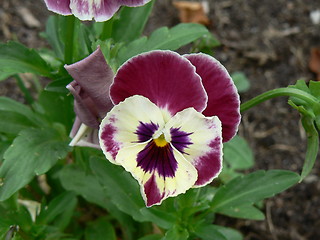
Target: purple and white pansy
<point>171,115</point>
<point>100,10</point>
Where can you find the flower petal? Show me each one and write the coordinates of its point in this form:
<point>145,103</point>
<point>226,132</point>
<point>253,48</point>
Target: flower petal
<point>92,79</point>
<point>199,139</point>
<point>223,99</point>
<point>169,173</point>
<point>132,121</point>
<point>101,10</point>
<point>164,77</point>
<point>59,6</point>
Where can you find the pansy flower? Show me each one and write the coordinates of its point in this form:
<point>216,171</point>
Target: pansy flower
<point>90,88</point>
<point>100,10</point>
<point>171,115</point>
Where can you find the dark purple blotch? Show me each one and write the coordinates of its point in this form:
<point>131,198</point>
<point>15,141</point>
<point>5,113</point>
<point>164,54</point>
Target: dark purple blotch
<point>180,139</point>
<point>145,131</point>
<point>159,159</point>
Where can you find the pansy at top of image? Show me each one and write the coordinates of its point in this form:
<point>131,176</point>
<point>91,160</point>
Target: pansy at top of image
<point>165,117</point>
<point>100,10</point>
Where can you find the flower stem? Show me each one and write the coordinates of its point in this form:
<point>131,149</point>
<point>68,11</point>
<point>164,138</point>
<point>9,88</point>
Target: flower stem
<point>69,39</point>
<point>107,29</point>
<point>290,92</point>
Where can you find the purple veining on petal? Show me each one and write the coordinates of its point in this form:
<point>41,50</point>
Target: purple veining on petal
<point>209,165</point>
<point>146,130</point>
<point>59,6</point>
<point>152,192</point>
<point>180,139</point>
<point>160,159</point>
<point>107,136</point>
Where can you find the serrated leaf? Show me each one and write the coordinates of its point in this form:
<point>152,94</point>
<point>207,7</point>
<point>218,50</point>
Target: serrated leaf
<point>163,38</point>
<point>32,153</point>
<point>136,15</point>
<point>16,58</point>
<point>250,189</point>
<point>238,154</point>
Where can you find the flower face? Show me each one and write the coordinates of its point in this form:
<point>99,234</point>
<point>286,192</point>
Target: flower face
<point>171,116</point>
<point>100,10</point>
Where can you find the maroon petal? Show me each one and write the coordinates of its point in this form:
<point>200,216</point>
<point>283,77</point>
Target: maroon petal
<point>59,6</point>
<point>223,98</point>
<point>83,106</point>
<point>92,79</point>
<point>164,77</point>
<point>100,10</point>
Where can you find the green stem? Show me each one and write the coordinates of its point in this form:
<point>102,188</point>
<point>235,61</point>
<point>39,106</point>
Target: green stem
<point>107,29</point>
<point>69,37</point>
<point>27,95</point>
<point>290,92</point>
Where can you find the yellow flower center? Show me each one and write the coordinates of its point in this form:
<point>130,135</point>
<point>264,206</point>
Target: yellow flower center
<point>160,141</point>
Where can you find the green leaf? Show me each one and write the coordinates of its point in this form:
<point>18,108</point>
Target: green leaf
<point>245,211</point>
<point>238,154</point>
<point>59,86</point>
<point>100,229</point>
<point>87,185</point>
<point>16,116</point>
<point>32,153</point>
<point>16,58</point>
<point>250,189</point>
<point>124,193</point>
<point>176,232</point>
<point>57,209</point>
<point>13,123</point>
<point>53,36</point>
<point>241,81</point>
<point>57,108</point>
<point>163,38</point>
<point>8,104</point>
<point>136,15</point>
<point>125,190</point>
<point>206,44</point>
<point>209,232</point>
<point>228,233</point>
<point>160,217</point>
<point>151,237</point>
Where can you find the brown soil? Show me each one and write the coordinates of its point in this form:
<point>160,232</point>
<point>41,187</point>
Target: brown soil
<point>270,42</point>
